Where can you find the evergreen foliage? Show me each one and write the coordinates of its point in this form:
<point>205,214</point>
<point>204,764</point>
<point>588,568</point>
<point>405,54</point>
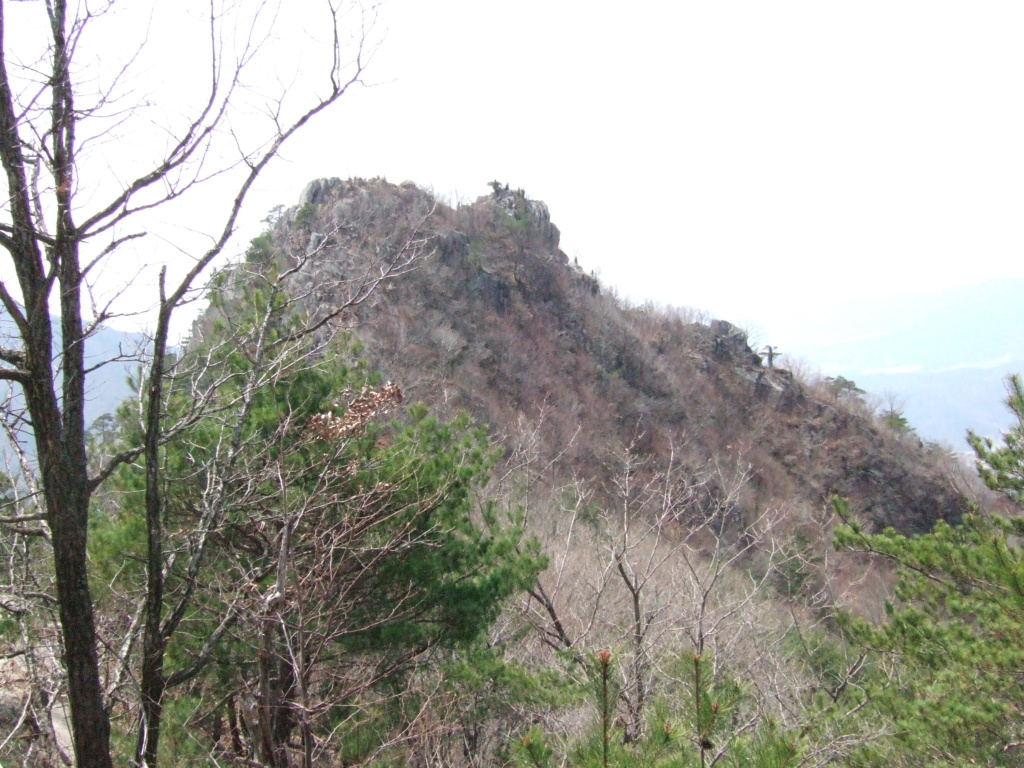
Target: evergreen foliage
<point>840,386</point>
<point>1002,467</point>
<point>338,579</point>
<point>713,728</point>
<point>351,546</point>
<point>956,623</point>
<point>896,421</point>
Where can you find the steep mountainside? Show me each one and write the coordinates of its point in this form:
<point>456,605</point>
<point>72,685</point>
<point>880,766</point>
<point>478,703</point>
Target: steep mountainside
<point>674,486</point>
<point>493,319</point>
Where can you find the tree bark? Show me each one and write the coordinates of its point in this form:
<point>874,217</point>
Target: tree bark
<point>67,503</point>
<point>38,128</point>
<point>154,641</point>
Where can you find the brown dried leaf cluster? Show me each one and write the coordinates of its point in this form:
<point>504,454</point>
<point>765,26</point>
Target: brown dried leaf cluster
<point>364,407</point>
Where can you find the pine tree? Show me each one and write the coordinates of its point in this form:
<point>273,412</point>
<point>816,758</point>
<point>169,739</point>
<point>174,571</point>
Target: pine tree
<point>955,628</point>
<point>343,543</point>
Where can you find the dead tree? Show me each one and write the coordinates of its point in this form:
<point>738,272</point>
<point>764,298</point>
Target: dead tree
<point>773,352</point>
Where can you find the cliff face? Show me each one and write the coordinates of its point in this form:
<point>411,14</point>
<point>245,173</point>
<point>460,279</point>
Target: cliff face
<point>492,318</point>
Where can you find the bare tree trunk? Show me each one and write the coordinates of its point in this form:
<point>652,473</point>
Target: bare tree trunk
<point>154,643</point>
<point>38,143</point>
<point>67,514</point>
<point>60,447</point>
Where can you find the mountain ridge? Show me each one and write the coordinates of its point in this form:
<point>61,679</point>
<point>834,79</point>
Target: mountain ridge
<point>496,321</point>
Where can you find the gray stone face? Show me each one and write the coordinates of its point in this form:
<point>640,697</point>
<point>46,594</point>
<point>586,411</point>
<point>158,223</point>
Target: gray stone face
<point>731,342</point>
<point>310,195</point>
<point>16,688</point>
<point>316,191</point>
<point>513,202</point>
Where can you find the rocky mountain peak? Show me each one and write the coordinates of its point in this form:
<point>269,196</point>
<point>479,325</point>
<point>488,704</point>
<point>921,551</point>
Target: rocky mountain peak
<point>492,319</point>
<point>531,213</point>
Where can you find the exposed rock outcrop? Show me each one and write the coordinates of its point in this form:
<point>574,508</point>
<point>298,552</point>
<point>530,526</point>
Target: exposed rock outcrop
<point>494,320</point>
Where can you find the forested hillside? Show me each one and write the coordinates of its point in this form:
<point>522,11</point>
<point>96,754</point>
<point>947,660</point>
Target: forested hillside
<point>494,320</point>
<point>432,495</point>
<point>417,490</point>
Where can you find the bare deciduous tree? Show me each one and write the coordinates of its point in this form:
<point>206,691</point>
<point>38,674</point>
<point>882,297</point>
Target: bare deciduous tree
<point>58,241</point>
<point>683,582</point>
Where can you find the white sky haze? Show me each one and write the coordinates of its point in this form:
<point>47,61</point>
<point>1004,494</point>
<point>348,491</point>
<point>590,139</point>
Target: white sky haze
<point>770,162</point>
<point>763,161</point>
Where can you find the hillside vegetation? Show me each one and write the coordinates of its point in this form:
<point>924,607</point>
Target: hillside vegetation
<point>435,496</point>
<point>496,321</point>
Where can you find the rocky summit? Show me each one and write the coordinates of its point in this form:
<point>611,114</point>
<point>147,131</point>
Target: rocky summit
<point>487,315</point>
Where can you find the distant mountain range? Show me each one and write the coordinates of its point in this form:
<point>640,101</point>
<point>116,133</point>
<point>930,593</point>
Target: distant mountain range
<point>107,389</point>
<point>945,354</point>
<point>116,354</point>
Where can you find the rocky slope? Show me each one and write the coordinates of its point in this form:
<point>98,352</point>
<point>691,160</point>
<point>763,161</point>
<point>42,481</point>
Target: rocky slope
<point>495,320</point>
<point>678,483</point>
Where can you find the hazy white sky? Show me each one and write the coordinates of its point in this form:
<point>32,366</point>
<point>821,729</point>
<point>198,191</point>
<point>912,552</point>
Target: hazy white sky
<point>765,161</point>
